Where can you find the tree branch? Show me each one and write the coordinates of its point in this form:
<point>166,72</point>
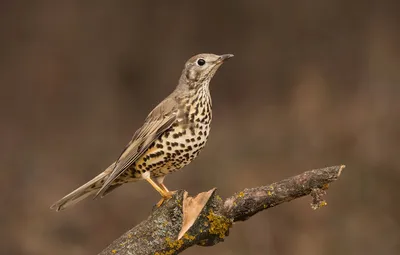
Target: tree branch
<point>158,234</point>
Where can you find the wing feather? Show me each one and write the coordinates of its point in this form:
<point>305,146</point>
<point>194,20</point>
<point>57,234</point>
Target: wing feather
<point>157,122</point>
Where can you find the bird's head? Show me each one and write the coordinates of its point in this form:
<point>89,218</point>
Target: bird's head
<point>201,68</point>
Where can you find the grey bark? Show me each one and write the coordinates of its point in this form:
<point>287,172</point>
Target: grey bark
<point>158,233</point>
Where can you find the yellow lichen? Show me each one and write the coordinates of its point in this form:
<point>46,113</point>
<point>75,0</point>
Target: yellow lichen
<point>175,245</point>
<point>219,225</point>
<point>241,194</point>
<point>269,193</point>
<point>114,251</point>
<point>188,237</point>
<point>203,242</point>
<point>129,235</point>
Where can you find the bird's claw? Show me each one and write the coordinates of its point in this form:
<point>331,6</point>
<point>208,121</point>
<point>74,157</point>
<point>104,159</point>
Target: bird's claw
<point>166,196</point>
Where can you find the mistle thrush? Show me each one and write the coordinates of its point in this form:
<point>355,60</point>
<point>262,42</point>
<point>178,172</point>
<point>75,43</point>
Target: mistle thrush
<point>172,135</point>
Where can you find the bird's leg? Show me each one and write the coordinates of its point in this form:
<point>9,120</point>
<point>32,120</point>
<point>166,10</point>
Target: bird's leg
<point>170,193</point>
<point>162,192</point>
<point>163,187</point>
<point>160,181</point>
<point>166,189</point>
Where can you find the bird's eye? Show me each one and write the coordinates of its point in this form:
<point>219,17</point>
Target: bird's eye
<point>201,61</point>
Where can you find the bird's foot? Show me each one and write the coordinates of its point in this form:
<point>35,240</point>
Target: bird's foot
<point>165,197</point>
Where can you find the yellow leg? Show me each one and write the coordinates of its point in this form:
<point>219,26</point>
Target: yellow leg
<point>170,193</point>
<point>164,192</point>
<point>156,187</point>
<point>163,187</point>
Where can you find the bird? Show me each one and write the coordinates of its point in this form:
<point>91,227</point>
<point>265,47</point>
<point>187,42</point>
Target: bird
<point>173,134</point>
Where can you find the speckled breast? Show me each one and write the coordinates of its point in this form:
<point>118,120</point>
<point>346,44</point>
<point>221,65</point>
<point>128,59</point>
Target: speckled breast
<point>179,145</point>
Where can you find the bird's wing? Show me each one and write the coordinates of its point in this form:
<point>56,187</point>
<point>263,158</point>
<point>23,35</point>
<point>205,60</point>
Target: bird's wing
<point>159,120</point>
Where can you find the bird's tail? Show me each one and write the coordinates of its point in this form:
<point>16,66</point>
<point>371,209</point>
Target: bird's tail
<point>90,188</point>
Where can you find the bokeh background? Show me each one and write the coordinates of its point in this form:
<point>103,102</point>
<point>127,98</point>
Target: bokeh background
<point>312,84</point>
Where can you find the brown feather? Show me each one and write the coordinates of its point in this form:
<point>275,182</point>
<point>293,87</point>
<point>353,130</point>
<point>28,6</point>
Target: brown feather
<point>159,120</point>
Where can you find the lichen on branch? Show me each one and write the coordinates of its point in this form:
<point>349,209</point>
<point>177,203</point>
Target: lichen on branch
<point>159,233</point>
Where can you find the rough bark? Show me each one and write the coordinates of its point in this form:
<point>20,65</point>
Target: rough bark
<point>158,234</point>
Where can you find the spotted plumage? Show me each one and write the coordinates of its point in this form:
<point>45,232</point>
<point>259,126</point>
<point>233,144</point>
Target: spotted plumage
<point>172,135</point>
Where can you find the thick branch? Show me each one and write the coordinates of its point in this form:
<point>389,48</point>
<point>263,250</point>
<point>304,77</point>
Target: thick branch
<point>158,234</point>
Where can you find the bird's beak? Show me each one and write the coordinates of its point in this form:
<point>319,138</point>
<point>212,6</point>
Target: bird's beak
<point>225,57</point>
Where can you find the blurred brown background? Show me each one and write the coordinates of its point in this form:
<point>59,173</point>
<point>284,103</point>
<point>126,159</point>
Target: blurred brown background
<point>312,84</point>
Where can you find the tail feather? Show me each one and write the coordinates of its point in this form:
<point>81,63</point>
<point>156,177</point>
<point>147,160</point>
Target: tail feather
<point>90,188</point>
